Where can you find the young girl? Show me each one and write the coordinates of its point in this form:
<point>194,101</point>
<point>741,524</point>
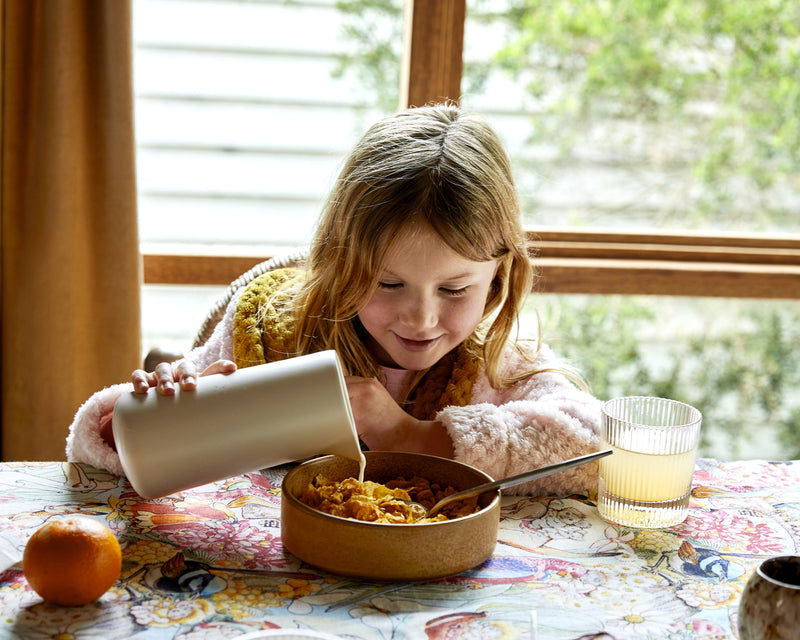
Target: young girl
<point>416,276</point>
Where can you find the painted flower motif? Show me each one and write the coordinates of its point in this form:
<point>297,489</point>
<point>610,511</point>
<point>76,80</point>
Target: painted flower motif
<point>104,619</point>
<point>148,552</point>
<point>561,521</point>
<point>757,538</point>
<point>469,626</point>
<point>564,587</point>
<point>762,542</point>
<point>708,630</point>
<point>233,541</point>
<point>656,541</point>
<point>628,604</point>
<point>118,508</point>
<point>710,596</point>
<point>15,593</point>
<point>769,476</point>
<point>221,630</point>
<point>160,612</point>
<point>632,587</point>
<point>741,476</point>
<point>615,541</point>
<point>296,588</point>
<point>244,599</point>
<point>654,617</point>
<point>12,542</point>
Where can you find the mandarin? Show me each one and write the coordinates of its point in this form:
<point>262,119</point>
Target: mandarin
<point>72,560</point>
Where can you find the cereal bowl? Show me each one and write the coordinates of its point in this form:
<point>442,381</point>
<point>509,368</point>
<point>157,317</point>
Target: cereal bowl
<point>388,552</point>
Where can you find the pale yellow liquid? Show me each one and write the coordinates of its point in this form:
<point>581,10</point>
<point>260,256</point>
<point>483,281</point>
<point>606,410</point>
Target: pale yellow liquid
<point>645,476</point>
<point>645,490</point>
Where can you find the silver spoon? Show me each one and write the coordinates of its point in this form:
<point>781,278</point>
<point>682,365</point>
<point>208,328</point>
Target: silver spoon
<point>419,511</point>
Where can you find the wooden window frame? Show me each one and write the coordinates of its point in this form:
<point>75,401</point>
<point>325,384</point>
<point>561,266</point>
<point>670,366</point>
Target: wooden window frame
<point>567,261</point>
<point>602,262</point>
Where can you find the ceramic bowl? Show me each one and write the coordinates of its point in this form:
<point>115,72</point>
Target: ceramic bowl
<point>770,605</point>
<point>388,552</point>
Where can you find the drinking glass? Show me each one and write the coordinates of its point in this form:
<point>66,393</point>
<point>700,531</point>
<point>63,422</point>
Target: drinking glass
<point>646,482</point>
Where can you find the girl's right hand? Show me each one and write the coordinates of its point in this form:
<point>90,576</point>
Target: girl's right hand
<point>183,373</point>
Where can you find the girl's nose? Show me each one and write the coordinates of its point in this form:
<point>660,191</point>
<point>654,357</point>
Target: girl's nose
<point>422,313</point>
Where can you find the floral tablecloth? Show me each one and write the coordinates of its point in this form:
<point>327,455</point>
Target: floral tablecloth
<point>208,563</point>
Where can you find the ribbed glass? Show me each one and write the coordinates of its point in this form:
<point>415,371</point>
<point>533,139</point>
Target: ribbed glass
<point>646,482</point>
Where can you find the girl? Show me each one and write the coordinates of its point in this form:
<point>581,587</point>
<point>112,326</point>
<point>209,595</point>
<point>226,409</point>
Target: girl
<point>416,276</point>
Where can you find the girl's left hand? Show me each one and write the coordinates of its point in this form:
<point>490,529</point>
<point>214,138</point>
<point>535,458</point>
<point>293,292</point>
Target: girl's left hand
<point>384,426</point>
<point>378,417</point>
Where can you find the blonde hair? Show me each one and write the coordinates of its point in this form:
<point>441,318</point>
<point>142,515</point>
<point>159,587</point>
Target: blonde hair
<point>435,165</point>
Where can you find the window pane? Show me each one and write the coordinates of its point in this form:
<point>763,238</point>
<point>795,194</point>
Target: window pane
<point>643,115</point>
<point>735,360</point>
<point>244,112</point>
<point>635,114</point>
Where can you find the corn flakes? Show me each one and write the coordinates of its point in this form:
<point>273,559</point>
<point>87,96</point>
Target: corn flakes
<point>374,502</point>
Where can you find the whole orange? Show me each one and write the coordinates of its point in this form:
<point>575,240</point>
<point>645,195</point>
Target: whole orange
<point>72,560</point>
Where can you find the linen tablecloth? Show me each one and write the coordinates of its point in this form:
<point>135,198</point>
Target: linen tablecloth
<point>208,563</point>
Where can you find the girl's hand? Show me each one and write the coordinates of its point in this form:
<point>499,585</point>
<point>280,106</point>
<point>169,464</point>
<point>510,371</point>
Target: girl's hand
<point>383,425</point>
<point>183,373</point>
<point>378,417</point>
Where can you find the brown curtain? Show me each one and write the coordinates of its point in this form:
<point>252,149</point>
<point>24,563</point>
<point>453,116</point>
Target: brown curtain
<point>70,261</point>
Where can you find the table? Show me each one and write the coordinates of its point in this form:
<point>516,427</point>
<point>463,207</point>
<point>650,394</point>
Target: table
<point>208,563</point>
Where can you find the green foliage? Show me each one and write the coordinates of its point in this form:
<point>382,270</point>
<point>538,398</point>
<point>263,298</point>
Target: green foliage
<point>375,28</point>
<point>707,92</point>
<point>742,371</point>
<point>722,73</point>
<point>599,336</point>
<point>750,376</point>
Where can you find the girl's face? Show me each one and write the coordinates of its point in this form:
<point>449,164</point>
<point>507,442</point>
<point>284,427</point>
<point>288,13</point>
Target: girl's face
<point>429,299</point>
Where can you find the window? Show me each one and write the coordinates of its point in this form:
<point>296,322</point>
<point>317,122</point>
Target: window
<point>244,110</point>
<point>642,161</point>
<point>241,123</point>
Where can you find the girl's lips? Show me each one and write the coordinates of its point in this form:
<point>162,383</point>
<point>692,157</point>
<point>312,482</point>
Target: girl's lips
<point>416,345</point>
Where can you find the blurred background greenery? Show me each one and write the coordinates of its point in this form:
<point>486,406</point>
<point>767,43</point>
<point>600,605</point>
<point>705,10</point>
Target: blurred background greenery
<point>699,101</point>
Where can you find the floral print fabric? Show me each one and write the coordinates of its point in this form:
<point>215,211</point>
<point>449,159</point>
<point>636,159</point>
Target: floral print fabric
<point>208,563</point>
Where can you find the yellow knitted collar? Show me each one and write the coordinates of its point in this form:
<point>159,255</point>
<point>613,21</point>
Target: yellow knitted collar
<point>263,326</point>
<point>263,331</point>
<point>447,383</point>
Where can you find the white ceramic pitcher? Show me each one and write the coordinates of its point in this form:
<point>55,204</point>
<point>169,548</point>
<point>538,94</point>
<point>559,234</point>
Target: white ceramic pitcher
<point>250,419</point>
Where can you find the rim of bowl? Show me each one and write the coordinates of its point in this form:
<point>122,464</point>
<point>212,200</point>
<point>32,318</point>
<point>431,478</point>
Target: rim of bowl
<point>795,560</point>
<point>355,522</point>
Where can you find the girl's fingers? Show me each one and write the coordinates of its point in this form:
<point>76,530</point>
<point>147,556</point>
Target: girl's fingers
<point>183,374</point>
<point>141,381</point>
<point>186,375</point>
<point>220,366</point>
<point>165,379</point>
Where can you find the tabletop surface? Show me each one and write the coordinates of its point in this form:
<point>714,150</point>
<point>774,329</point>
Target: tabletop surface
<point>208,563</point>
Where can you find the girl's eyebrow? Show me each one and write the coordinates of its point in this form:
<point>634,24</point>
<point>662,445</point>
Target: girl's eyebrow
<point>461,276</point>
<point>456,276</point>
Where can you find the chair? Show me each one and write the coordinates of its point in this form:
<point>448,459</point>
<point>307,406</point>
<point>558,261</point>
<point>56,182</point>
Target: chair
<point>294,259</point>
